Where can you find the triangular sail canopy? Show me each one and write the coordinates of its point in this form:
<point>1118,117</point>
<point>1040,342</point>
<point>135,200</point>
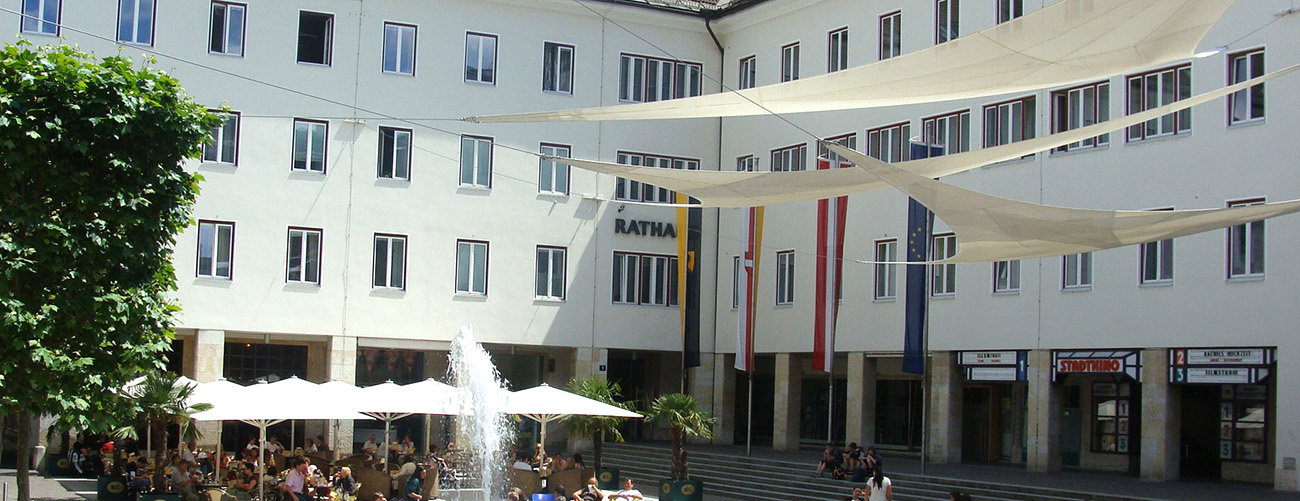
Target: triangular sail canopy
<point>1066,42</point>
<point>992,228</point>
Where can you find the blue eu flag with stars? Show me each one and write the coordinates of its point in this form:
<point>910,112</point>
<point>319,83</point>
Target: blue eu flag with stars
<point>920,222</point>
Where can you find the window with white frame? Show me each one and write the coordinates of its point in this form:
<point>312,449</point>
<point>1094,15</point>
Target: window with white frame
<point>552,177</point>
<point>886,274</point>
<point>1010,9</point>
<point>1156,261</point>
<point>1006,276</point>
<point>550,273</point>
<point>135,21</point>
<point>790,159</point>
<point>943,277</point>
<point>947,22</point>
<point>1248,104</point>
<point>216,249</point>
<point>1009,122</point>
<point>302,265</point>
<point>635,191</point>
<point>785,278</point>
<point>890,143</point>
<point>1246,246</point>
<point>394,153</point>
<point>1076,271</point>
<point>471,267</point>
<point>790,62</point>
<point>399,49</point>
<point>309,145</point>
<point>748,75</point>
<point>223,140</point>
<point>557,67</point>
<point>1080,107</point>
<point>891,35</point>
<point>41,17</point>
<point>315,37</point>
<point>476,161</point>
<point>837,50</point>
<point>849,141</point>
<point>389,262</point>
<point>227,31</point>
<point>647,279</point>
<point>948,133</point>
<point>747,163</point>
<point>737,275</point>
<point>480,58</point>
<point>644,79</point>
<point>1153,90</point>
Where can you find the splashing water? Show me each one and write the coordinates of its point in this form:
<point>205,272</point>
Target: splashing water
<point>481,421</point>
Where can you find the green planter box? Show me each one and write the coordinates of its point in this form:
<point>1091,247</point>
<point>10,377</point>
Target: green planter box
<point>681,490</point>
<point>607,479</point>
<point>160,497</point>
<point>60,466</point>
<point>111,489</point>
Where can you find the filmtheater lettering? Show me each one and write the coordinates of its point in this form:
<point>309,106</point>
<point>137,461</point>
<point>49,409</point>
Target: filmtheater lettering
<point>644,228</point>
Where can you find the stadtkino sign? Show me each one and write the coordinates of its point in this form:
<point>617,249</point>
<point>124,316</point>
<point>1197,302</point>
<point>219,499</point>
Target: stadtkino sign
<point>644,228</point>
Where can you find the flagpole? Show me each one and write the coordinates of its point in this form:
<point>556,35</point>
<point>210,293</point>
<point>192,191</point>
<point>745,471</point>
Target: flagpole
<point>749,420</point>
<point>830,401</point>
<point>925,350</point>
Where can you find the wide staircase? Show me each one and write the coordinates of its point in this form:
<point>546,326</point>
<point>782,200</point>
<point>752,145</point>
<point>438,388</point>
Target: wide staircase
<point>749,478</point>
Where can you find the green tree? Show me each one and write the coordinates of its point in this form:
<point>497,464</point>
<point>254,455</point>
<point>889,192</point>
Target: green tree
<point>162,402</point>
<point>598,428</point>
<point>92,196</point>
<point>685,419</point>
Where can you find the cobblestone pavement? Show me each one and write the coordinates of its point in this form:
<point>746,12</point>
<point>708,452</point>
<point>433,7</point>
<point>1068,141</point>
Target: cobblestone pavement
<point>47,489</point>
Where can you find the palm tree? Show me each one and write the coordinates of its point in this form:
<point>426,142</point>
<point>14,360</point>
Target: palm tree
<point>597,427</point>
<point>162,402</point>
<point>683,415</point>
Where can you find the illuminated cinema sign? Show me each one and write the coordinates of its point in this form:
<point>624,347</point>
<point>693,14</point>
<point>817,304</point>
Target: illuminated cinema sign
<point>1002,366</point>
<point>1220,365</point>
<point>1126,362</point>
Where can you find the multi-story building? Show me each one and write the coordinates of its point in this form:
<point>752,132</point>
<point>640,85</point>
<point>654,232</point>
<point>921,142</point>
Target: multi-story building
<point>349,224</point>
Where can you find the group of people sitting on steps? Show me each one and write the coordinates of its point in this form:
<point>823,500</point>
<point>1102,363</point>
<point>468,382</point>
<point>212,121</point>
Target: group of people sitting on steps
<point>853,464</point>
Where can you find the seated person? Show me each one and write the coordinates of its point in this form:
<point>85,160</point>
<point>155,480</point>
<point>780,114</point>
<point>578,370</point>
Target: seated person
<point>628,493</point>
<point>873,461</point>
<point>138,476</point>
<point>561,494</point>
<point>370,447</point>
<point>590,492</point>
<point>184,482</point>
<point>245,484</point>
<point>521,463</point>
<point>539,457</point>
<point>344,482</point>
<point>831,458</point>
<point>558,463</point>
<point>577,463</point>
<point>852,455</point>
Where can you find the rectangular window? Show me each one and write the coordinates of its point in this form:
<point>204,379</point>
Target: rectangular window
<point>135,21</point>
<point>1010,9</point>
<point>471,267</point>
<point>1080,107</point>
<point>790,62</point>
<point>1009,122</point>
<point>1246,246</point>
<point>399,49</point>
<point>550,273</point>
<point>390,262</point>
<point>736,285</point>
<point>1111,428</point>
<point>303,262</point>
<point>476,161</point>
<point>886,274</point>
<point>1243,423</point>
<point>837,50</point>
<point>1156,89</point>
<point>1246,105</point>
<point>785,278</point>
<point>216,249</point>
<point>627,189</point>
<point>315,37</point>
<point>891,35</point>
<point>1006,276</point>
<point>553,177</point>
<point>849,141</point>
<point>394,153</point>
<point>557,68</point>
<point>41,17</point>
<point>747,163</point>
<point>790,159</point>
<point>948,133</point>
<point>223,140</point>
<point>946,21</point>
<point>480,58</point>
<point>943,277</point>
<point>1076,271</point>
<point>890,143</point>
<point>227,33</point>
<point>309,145</point>
<point>645,79</point>
<point>748,73</point>
<point>645,279</point>
<point>1156,260</point>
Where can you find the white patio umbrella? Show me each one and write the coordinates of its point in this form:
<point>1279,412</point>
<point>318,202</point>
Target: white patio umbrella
<point>545,404</point>
<point>389,402</point>
<point>216,393</point>
<point>343,392</point>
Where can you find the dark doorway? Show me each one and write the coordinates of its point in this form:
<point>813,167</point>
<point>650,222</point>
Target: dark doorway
<point>815,402</point>
<point>978,421</point>
<point>764,388</point>
<point>1199,436</point>
<point>898,413</point>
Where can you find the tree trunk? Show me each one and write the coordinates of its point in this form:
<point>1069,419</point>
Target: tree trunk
<point>158,434</point>
<point>24,457</point>
<point>679,453</point>
<point>597,441</point>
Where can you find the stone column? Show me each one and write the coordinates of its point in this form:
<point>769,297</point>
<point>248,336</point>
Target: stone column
<point>860,418</point>
<point>341,356</point>
<point>724,398</point>
<point>209,362</point>
<point>588,362</point>
<point>700,381</point>
<point>1043,444</point>
<point>945,409</point>
<point>786,404</point>
<point>1160,419</point>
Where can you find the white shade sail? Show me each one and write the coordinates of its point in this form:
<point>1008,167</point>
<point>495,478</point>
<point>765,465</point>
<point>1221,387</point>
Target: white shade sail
<point>749,189</point>
<point>992,228</point>
<point>1066,42</point>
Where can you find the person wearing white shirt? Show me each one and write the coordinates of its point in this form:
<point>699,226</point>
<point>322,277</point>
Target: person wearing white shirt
<point>370,446</point>
<point>629,493</point>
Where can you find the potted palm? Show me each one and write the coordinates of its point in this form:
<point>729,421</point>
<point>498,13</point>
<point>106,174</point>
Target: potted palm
<point>599,428</point>
<point>684,418</point>
<point>162,401</point>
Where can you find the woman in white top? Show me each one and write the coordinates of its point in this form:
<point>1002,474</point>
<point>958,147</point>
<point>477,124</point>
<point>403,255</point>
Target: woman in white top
<point>878,488</point>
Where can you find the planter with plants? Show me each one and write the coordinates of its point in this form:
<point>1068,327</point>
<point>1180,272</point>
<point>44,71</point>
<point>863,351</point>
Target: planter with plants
<point>684,418</point>
<point>599,428</point>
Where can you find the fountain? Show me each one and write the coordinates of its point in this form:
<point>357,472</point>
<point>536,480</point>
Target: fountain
<point>482,430</point>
